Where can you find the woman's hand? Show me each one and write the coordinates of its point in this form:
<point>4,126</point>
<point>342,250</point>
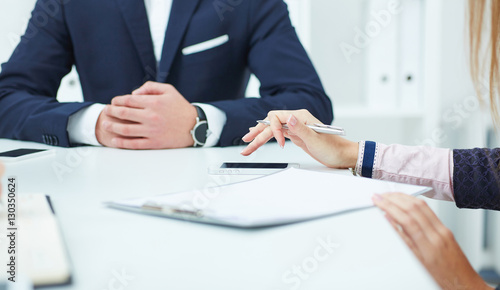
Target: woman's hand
<point>332,151</point>
<point>432,243</point>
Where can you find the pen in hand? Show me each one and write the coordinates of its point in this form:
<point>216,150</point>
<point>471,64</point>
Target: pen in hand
<point>319,128</point>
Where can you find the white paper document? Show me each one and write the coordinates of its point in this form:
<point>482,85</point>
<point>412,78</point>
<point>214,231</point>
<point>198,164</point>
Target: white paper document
<point>289,196</point>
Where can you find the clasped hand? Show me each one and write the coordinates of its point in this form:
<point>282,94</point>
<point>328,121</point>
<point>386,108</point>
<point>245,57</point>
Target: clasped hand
<point>155,116</point>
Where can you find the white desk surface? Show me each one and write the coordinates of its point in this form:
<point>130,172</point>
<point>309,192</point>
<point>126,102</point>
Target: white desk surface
<point>161,253</point>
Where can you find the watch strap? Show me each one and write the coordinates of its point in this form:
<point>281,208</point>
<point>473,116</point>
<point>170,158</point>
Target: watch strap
<point>201,122</point>
<point>201,113</point>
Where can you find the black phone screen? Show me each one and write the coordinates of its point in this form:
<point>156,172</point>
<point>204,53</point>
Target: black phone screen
<point>254,165</point>
<point>20,152</point>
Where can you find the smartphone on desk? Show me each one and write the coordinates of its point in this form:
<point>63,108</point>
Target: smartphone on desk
<point>249,168</point>
<point>23,154</point>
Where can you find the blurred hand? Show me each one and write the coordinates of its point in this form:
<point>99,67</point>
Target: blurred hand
<point>432,243</point>
<point>155,116</point>
<point>330,150</point>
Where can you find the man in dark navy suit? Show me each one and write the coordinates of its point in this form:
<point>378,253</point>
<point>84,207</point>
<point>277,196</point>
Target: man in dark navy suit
<point>155,73</point>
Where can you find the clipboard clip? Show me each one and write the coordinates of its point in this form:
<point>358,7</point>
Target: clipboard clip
<point>171,210</point>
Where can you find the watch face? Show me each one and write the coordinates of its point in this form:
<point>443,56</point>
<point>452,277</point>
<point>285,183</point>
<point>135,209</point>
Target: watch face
<point>200,132</point>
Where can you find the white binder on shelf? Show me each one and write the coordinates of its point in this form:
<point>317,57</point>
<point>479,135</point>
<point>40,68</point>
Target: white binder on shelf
<point>411,47</point>
<point>382,32</point>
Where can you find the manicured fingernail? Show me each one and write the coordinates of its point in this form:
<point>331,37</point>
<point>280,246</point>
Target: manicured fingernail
<point>105,125</point>
<point>114,141</point>
<point>377,197</point>
<point>244,137</point>
<point>292,121</point>
<point>282,146</point>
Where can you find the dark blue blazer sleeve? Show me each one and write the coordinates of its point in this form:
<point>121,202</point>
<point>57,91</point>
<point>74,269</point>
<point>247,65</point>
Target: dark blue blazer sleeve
<point>476,178</point>
<point>30,80</point>
<point>110,45</point>
<point>288,78</point>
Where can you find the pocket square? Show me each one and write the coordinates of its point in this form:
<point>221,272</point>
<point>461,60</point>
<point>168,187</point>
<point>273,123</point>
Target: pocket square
<point>206,45</point>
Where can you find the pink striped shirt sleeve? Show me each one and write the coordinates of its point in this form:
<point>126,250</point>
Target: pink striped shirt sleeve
<point>417,165</point>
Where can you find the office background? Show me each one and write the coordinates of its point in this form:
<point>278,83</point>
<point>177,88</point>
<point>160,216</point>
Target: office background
<point>394,77</point>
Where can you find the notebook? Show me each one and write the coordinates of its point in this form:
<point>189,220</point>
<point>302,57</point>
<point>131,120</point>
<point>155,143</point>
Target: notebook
<point>289,196</point>
<point>36,246</point>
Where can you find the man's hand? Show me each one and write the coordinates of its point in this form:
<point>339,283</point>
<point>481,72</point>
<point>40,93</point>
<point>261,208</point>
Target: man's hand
<point>155,116</point>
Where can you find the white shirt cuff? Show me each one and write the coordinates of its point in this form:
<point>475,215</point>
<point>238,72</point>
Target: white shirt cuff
<point>216,119</point>
<point>81,125</point>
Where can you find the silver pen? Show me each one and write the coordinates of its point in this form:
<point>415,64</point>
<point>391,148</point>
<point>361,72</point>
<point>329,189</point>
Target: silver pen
<point>320,128</point>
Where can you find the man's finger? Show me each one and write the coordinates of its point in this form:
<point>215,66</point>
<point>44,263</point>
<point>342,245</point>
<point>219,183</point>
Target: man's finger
<point>132,143</point>
<point>152,88</point>
<point>125,130</point>
<point>131,101</point>
<point>126,113</point>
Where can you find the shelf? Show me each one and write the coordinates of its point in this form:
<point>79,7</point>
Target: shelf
<point>366,112</point>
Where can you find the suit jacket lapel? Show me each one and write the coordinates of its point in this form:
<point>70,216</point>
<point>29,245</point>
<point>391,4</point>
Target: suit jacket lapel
<point>134,14</point>
<point>180,16</point>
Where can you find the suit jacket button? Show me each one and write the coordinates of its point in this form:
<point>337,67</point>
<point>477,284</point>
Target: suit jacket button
<point>55,140</point>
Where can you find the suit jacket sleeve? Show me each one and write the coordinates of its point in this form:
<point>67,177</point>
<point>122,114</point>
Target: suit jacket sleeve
<point>288,78</point>
<point>30,80</point>
<point>476,178</point>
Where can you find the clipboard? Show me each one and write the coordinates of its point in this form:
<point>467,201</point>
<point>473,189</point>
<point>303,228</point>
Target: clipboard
<point>289,196</point>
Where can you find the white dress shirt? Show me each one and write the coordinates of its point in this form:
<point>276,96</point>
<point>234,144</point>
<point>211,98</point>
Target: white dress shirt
<point>81,125</point>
